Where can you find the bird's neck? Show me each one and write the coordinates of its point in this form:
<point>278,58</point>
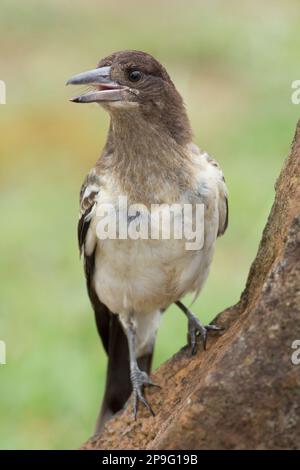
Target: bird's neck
<point>146,160</point>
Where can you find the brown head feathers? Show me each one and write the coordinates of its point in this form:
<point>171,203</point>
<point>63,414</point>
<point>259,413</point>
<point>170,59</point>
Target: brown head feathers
<point>159,102</point>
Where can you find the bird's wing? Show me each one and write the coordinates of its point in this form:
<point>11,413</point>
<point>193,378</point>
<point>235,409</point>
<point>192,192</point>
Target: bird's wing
<point>88,200</point>
<point>87,245</point>
<point>223,196</point>
<point>219,179</point>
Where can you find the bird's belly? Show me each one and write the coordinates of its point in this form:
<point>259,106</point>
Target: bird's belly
<point>145,274</point>
<point>141,276</point>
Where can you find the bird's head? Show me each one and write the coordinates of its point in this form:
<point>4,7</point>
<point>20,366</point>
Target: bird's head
<point>129,78</point>
<point>133,81</point>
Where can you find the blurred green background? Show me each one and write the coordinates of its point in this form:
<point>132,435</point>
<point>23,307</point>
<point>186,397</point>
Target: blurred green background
<point>234,63</point>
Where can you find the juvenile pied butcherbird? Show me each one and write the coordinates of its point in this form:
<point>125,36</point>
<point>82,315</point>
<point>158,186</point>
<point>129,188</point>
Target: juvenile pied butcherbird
<point>150,159</point>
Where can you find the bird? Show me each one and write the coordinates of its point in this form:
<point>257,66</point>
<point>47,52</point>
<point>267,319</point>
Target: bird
<point>150,159</point>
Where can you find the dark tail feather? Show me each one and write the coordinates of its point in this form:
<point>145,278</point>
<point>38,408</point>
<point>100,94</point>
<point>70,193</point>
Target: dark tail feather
<point>118,385</point>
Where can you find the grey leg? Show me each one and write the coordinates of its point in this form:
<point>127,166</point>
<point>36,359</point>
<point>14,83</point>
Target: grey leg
<point>138,377</point>
<point>195,328</point>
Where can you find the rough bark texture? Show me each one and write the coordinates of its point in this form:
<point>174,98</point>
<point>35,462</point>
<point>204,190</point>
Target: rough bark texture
<point>244,391</point>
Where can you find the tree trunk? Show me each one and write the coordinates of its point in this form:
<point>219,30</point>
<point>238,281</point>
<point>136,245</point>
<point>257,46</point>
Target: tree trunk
<point>244,391</point>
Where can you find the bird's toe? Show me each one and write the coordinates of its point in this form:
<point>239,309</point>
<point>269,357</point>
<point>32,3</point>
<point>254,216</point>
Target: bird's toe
<point>197,330</point>
<point>141,379</point>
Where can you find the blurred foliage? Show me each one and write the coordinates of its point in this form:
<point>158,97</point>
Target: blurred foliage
<point>234,63</point>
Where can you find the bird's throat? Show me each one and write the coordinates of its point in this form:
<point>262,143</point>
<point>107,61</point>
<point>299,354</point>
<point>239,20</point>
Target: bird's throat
<point>146,159</point>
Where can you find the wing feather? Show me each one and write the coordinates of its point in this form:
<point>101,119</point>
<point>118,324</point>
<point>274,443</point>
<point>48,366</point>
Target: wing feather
<point>88,201</point>
<point>222,193</point>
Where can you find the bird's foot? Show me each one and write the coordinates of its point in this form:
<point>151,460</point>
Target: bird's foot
<point>197,330</point>
<point>139,380</point>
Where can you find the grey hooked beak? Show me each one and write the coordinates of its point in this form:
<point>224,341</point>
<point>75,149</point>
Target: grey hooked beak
<point>106,89</point>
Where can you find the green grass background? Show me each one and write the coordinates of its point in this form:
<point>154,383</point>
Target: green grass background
<point>234,63</point>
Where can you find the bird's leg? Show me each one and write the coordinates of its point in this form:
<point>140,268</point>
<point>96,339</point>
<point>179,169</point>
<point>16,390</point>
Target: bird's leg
<point>195,328</point>
<point>138,377</point>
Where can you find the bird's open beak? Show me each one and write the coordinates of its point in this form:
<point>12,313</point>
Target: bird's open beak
<point>105,88</point>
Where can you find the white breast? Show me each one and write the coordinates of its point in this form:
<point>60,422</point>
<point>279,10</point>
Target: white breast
<point>143,276</point>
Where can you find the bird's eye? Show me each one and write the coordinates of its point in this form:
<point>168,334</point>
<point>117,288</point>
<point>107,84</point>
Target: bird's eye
<point>134,75</point>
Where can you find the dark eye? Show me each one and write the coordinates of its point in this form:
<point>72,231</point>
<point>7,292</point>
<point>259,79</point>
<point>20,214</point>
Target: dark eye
<point>134,75</point>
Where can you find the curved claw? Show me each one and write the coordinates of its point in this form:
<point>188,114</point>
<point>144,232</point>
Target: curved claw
<point>146,404</point>
<point>152,384</point>
<point>138,397</point>
<point>214,328</point>
<point>141,379</point>
<point>135,406</point>
<point>196,329</point>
